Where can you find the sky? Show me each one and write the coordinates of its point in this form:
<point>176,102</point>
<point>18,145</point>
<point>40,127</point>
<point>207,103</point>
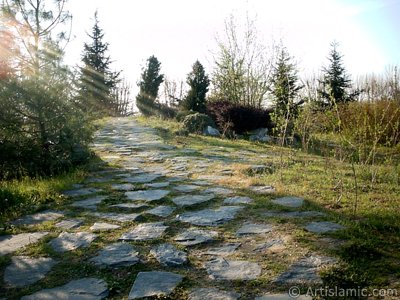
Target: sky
<point>179,32</point>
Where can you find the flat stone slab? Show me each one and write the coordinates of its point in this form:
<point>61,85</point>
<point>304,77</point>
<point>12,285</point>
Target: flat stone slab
<point>189,200</point>
<point>283,297</point>
<point>293,202</point>
<point>90,203</point>
<point>187,188</point>
<point>69,224</point>
<point>238,200</point>
<point>70,241</point>
<point>99,226</point>
<point>223,250</point>
<point>116,255</point>
<point>11,243</point>
<point>123,187</point>
<point>145,232</point>
<point>130,205</point>
<point>38,218</point>
<point>82,192</point>
<point>218,191</point>
<point>212,294</point>
<point>161,211</point>
<point>117,216</point>
<point>251,228</point>
<point>193,236</point>
<point>82,289</point>
<point>147,195</point>
<point>157,185</point>
<point>269,245</point>
<point>143,178</point>
<point>222,269</point>
<point>210,217</point>
<point>168,255</point>
<point>295,214</point>
<point>323,227</point>
<point>25,270</point>
<point>262,189</point>
<point>305,271</point>
<point>154,284</point>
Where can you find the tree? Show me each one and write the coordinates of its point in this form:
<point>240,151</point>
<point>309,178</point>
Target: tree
<point>198,81</point>
<point>284,85</point>
<point>97,81</point>
<point>149,85</point>
<point>241,69</point>
<point>336,84</point>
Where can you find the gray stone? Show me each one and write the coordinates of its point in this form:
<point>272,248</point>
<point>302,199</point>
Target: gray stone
<point>154,284</point>
<point>25,270</point>
<point>210,217</point>
<point>211,131</point>
<point>237,200</point>
<point>11,243</point>
<point>161,211</point>
<point>189,200</point>
<point>130,205</point>
<point>222,269</point>
<point>37,218</point>
<point>223,250</point>
<point>212,294</point>
<point>90,203</point>
<point>82,192</point>
<point>295,214</point>
<point>116,255</point>
<point>249,229</point>
<point>323,227</point>
<point>157,185</point>
<point>193,236</point>
<point>117,217</point>
<point>122,187</point>
<point>147,195</point>
<point>201,182</point>
<point>268,245</point>
<point>69,224</point>
<point>258,138</point>
<point>262,189</point>
<point>187,188</point>
<point>145,232</point>
<point>283,297</point>
<point>144,178</point>
<point>292,202</point>
<point>218,191</point>
<point>81,289</point>
<point>99,179</point>
<point>168,255</point>
<point>71,241</point>
<point>98,226</point>
<point>305,271</point>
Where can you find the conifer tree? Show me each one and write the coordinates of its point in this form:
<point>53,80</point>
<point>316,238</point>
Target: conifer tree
<point>97,80</point>
<point>198,81</point>
<point>336,84</point>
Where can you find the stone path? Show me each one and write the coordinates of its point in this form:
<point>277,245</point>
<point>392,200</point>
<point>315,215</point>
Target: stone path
<point>163,210</point>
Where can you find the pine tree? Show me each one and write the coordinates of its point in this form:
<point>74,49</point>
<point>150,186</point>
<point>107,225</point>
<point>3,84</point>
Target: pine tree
<point>198,81</point>
<point>97,80</point>
<point>149,85</point>
<point>284,85</point>
<point>336,84</point>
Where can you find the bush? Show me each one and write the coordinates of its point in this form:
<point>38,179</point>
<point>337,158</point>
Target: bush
<point>181,115</point>
<point>232,117</point>
<point>195,123</point>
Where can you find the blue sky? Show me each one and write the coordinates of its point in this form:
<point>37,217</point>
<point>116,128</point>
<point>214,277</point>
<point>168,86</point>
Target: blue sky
<point>180,31</point>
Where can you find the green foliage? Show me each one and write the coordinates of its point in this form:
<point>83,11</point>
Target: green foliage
<point>336,84</point>
<point>198,81</point>
<point>181,115</point>
<point>197,122</point>
<point>149,85</point>
<point>97,81</point>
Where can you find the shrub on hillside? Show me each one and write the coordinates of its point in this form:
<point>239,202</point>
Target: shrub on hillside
<point>195,123</point>
<point>233,117</point>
